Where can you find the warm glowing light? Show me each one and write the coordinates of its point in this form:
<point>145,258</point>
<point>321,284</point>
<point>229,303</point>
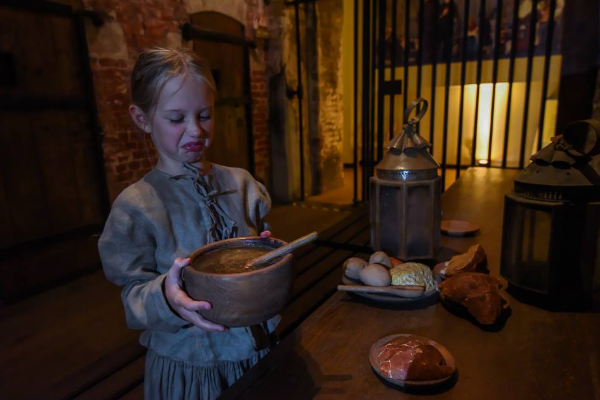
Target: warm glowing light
<point>483,120</point>
<point>484,115</point>
<point>491,102</point>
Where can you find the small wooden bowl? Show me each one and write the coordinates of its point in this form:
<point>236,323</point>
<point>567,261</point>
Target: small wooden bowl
<point>373,354</point>
<point>459,228</point>
<point>246,298</point>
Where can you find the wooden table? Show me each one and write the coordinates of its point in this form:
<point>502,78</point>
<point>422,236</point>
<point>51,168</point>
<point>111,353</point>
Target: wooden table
<point>536,354</point>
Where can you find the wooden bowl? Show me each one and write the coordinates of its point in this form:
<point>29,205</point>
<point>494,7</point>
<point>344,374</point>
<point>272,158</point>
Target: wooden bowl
<point>246,298</point>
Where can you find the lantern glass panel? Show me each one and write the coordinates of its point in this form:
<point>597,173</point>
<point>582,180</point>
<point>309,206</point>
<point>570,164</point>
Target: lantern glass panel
<point>419,220</point>
<point>536,237</point>
<point>596,264</point>
<point>390,217</point>
<point>593,219</point>
<point>528,235</point>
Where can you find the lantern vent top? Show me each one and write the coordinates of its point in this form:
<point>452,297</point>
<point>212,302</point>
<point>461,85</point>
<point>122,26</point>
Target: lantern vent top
<point>408,156</point>
<point>567,169</point>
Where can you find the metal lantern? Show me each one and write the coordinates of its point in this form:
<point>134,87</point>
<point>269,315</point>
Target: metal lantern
<point>405,195</point>
<point>551,230</point>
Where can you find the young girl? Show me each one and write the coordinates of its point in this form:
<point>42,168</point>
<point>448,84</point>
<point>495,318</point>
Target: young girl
<point>183,203</point>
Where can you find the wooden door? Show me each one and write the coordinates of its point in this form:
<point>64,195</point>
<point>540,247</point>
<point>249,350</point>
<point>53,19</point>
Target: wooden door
<point>52,190</point>
<point>228,63</point>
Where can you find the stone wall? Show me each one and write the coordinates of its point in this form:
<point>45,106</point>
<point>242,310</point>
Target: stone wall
<point>330,15</point>
<point>130,27</point>
<point>321,68</point>
<point>284,129</point>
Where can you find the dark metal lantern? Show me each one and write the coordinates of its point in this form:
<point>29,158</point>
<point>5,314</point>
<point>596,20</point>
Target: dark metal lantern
<point>405,195</point>
<point>550,235</point>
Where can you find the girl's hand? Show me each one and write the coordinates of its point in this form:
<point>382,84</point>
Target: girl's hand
<point>183,304</point>
<point>265,234</point>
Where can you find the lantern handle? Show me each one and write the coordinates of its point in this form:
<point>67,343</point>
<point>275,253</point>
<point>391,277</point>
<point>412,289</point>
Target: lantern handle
<point>411,107</point>
<point>571,129</point>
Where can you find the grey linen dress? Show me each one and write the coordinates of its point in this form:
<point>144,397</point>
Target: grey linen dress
<point>152,222</point>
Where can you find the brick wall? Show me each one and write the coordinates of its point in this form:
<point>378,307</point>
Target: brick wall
<point>132,26</point>
<point>256,18</point>
<point>260,117</point>
<point>321,65</point>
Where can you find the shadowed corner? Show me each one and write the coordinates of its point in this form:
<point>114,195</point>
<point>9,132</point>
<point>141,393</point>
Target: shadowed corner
<point>556,304</point>
<point>290,363</point>
<point>461,312</point>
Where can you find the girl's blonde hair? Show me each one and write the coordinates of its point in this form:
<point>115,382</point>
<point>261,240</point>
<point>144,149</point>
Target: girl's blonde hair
<point>154,67</point>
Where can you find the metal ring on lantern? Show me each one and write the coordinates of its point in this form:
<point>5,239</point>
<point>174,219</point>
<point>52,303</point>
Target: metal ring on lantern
<point>411,107</point>
<point>569,131</point>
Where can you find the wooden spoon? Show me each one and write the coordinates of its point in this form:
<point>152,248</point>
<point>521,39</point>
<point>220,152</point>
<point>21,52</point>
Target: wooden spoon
<point>267,258</point>
<point>399,290</point>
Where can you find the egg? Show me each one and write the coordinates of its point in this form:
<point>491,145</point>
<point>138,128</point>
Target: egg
<point>375,275</point>
<point>353,266</point>
<point>379,257</point>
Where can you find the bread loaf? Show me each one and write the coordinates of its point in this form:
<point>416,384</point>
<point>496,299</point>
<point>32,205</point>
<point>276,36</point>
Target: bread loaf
<point>478,293</point>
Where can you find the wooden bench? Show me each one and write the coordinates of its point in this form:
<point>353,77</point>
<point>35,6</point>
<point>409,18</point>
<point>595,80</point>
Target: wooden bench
<point>317,266</point>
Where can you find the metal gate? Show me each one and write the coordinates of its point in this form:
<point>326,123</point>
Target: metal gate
<point>468,58</point>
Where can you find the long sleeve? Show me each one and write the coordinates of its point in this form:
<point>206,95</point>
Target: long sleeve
<point>259,203</point>
<point>127,251</point>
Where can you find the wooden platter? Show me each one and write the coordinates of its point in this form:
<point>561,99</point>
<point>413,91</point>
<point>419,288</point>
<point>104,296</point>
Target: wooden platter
<point>387,298</point>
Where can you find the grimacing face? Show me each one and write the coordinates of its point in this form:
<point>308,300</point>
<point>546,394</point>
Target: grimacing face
<point>181,125</point>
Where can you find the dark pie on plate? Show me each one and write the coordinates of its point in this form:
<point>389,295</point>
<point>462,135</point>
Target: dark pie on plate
<point>410,358</point>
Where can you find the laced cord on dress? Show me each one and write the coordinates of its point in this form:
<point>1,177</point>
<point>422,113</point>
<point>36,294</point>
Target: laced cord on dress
<point>218,224</point>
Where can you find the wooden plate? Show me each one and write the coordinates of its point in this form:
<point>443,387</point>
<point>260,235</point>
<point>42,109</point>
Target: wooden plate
<point>374,352</point>
<point>452,227</point>
<point>384,298</point>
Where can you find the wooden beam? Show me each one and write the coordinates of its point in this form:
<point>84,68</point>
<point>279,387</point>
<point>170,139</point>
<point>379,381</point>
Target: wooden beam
<point>189,32</point>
